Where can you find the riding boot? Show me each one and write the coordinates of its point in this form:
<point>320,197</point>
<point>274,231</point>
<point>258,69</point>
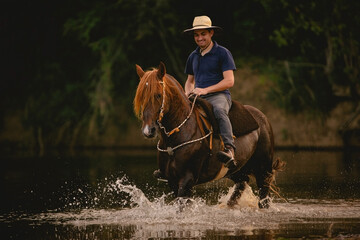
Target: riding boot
<point>227,157</point>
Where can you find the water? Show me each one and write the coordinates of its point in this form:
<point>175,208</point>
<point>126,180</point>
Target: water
<point>112,195</point>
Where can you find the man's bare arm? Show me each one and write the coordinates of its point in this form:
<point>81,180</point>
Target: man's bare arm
<point>189,84</point>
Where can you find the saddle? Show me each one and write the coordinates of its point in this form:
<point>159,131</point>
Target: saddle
<point>241,119</point>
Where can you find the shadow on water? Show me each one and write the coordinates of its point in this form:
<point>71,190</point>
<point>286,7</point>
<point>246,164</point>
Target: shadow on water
<point>112,195</point>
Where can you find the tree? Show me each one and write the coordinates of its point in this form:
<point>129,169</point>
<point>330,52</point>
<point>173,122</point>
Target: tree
<point>320,42</point>
<point>121,33</point>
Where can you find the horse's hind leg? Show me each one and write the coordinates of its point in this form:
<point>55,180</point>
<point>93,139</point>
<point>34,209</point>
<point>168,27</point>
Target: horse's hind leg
<point>240,185</point>
<point>263,182</point>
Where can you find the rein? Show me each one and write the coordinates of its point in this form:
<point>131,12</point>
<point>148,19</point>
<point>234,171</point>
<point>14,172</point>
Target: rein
<point>170,150</point>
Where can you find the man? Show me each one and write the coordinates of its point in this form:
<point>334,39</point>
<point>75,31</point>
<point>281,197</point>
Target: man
<point>210,74</point>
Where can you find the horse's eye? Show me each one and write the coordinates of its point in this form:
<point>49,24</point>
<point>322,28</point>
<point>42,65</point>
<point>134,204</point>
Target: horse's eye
<point>158,96</point>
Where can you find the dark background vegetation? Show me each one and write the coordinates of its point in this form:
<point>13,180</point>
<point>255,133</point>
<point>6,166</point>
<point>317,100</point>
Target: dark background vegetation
<point>68,67</point>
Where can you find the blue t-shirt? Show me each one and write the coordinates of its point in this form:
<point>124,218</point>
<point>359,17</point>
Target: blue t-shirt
<point>208,69</point>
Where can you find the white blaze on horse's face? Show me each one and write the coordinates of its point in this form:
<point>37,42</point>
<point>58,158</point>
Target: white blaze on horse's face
<point>148,131</point>
<point>149,122</point>
<point>150,99</point>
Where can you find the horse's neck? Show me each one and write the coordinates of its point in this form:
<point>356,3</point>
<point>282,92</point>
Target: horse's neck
<point>178,115</point>
<point>185,132</point>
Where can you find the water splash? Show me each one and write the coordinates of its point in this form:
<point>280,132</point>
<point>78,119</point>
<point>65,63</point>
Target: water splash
<point>137,197</point>
<point>248,199</point>
<point>161,216</point>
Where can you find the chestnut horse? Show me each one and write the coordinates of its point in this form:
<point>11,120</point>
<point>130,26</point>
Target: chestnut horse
<point>187,150</point>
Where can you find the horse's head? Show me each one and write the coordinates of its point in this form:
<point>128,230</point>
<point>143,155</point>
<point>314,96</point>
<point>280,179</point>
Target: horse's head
<point>149,99</point>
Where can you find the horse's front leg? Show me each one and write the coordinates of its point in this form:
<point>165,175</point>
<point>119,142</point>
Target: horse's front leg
<point>240,185</point>
<point>185,185</point>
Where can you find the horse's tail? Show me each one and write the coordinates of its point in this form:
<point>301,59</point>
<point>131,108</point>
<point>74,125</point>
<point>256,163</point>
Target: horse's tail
<point>277,166</point>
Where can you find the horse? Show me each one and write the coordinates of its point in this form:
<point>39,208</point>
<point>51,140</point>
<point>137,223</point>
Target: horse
<point>187,148</point>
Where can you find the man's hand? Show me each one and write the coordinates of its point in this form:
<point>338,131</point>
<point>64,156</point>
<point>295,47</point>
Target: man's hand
<point>199,91</point>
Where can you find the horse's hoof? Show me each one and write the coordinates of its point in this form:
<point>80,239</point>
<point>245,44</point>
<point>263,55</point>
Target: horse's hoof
<point>183,203</point>
<point>231,203</point>
<point>265,203</point>
<point>158,175</point>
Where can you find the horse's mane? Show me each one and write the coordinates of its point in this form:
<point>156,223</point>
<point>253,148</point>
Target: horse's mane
<point>150,90</point>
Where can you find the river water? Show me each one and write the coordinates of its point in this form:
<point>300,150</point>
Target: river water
<point>111,194</point>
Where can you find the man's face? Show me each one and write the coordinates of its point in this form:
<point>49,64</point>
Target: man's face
<point>203,37</point>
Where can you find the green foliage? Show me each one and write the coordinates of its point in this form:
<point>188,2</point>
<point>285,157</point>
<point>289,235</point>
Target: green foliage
<point>299,88</point>
<point>119,33</point>
<point>62,101</point>
<point>82,25</point>
<point>77,65</point>
<point>319,44</point>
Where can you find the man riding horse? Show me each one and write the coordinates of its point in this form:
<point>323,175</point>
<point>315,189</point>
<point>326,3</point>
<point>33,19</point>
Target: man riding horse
<point>189,150</point>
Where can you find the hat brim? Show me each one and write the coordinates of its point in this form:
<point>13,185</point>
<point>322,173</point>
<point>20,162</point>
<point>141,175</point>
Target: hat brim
<point>201,27</point>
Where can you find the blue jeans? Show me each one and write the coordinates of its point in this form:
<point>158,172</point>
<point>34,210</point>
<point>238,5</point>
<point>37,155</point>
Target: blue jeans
<point>221,103</point>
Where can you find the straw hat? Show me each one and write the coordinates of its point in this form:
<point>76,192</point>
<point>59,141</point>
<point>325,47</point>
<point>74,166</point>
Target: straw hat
<point>201,22</point>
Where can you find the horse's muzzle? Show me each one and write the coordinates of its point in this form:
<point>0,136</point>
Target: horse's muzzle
<point>149,132</point>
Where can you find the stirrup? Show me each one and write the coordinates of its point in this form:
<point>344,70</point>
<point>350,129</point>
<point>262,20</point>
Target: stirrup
<point>223,156</point>
<point>227,158</point>
<point>231,164</point>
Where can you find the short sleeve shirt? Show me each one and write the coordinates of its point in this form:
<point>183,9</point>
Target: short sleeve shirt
<point>208,69</point>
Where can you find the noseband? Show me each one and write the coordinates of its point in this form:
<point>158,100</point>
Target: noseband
<point>170,150</point>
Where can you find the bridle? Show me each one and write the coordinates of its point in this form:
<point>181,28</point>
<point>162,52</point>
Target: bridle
<point>170,150</point>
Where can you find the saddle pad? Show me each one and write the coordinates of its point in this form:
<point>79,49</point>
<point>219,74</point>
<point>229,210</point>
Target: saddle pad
<point>241,119</point>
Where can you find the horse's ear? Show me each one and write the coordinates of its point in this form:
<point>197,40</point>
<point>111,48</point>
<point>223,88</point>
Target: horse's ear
<point>161,71</point>
<point>140,71</point>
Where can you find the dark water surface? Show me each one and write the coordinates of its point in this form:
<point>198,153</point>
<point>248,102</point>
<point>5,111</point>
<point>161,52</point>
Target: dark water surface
<point>112,195</point>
